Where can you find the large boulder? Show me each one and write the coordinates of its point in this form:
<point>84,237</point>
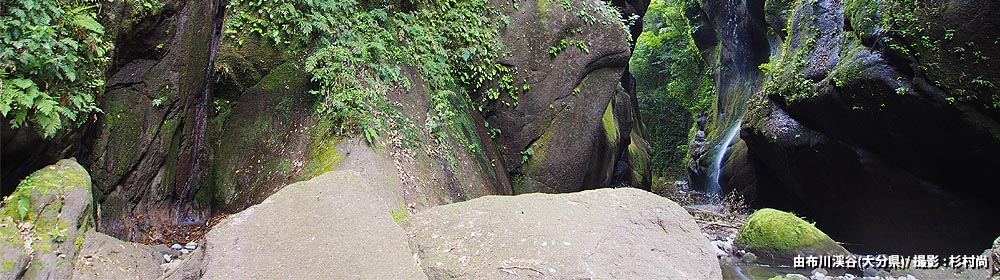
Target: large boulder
<point>620,233</point>
<point>573,128</point>
<point>43,222</point>
<point>779,237</point>
<point>339,225</point>
<point>874,134</point>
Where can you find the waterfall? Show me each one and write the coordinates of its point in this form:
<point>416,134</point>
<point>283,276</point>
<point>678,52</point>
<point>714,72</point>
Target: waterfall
<point>718,155</point>
<point>742,47</point>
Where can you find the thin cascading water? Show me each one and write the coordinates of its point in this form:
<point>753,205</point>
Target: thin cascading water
<point>742,49</point>
<point>715,169</point>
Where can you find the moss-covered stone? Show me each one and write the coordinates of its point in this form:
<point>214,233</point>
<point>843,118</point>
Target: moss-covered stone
<point>56,202</point>
<point>323,154</point>
<point>779,236</point>
<point>610,125</point>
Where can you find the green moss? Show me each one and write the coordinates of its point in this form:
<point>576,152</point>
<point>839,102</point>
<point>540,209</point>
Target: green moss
<point>610,124</point>
<point>323,154</point>
<point>115,110</point>
<point>543,9</point>
<point>8,231</point>
<point>38,200</point>
<point>37,265</point>
<point>771,231</point>
<point>125,127</point>
<point>639,159</point>
<point>8,265</point>
<point>400,214</point>
<point>536,153</point>
<point>281,76</point>
<point>80,237</point>
<point>50,180</point>
<point>517,184</point>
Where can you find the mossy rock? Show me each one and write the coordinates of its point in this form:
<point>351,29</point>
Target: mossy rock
<point>57,203</point>
<point>778,236</point>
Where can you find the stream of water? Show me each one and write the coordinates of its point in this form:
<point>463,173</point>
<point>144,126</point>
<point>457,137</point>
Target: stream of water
<point>713,187</point>
<point>736,81</point>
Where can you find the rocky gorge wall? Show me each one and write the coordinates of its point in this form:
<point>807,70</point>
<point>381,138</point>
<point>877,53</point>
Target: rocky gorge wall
<point>880,121</point>
<point>196,125</point>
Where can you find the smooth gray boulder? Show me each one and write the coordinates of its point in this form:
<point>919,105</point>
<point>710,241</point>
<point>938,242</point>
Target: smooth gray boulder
<point>338,225</point>
<point>620,233</point>
<point>106,257</point>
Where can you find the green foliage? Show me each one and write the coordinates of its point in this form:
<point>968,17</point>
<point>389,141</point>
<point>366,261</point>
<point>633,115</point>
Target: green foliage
<point>52,57</point>
<point>565,43</point>
<point>786,72</point>
<point>398,215</point>
<point>356,51</point>
<point>527,154</point>
<point>919,29</point>
<point>23,205</point>
<point>673,84</point>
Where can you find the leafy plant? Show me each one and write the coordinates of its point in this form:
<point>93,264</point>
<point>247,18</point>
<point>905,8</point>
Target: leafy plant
<point>52,57</point>
<point>356,51</point>
<point>564,43</point>
<point>527,154</point>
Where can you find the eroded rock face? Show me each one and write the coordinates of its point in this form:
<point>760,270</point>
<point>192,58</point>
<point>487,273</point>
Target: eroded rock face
<point>574,128</point>
<point>179,143</point>
<point>874,145</point>
<point>598,234</point>
<point>148,150</point>
<point>43,222</point>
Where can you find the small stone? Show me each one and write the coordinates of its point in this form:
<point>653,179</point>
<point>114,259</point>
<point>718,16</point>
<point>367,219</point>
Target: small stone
<point>749,258</point>
<point>167,257</point>
<point>185,252</point>
<point>176,246</point>
<point>882,274</point>
<point>191,246</point>
<point>796,276</point>
<point>822,272</point>
<point>719,253</point>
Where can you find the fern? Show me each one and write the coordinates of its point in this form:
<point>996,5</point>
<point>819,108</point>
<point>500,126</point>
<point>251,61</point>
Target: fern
<point>51,64</point>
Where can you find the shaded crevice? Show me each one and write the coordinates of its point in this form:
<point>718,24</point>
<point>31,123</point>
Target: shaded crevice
<point>185,195</point>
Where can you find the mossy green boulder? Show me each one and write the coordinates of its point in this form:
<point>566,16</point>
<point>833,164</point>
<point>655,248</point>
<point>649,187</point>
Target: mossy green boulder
<point>44,220</point>
<point>778,236</point>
